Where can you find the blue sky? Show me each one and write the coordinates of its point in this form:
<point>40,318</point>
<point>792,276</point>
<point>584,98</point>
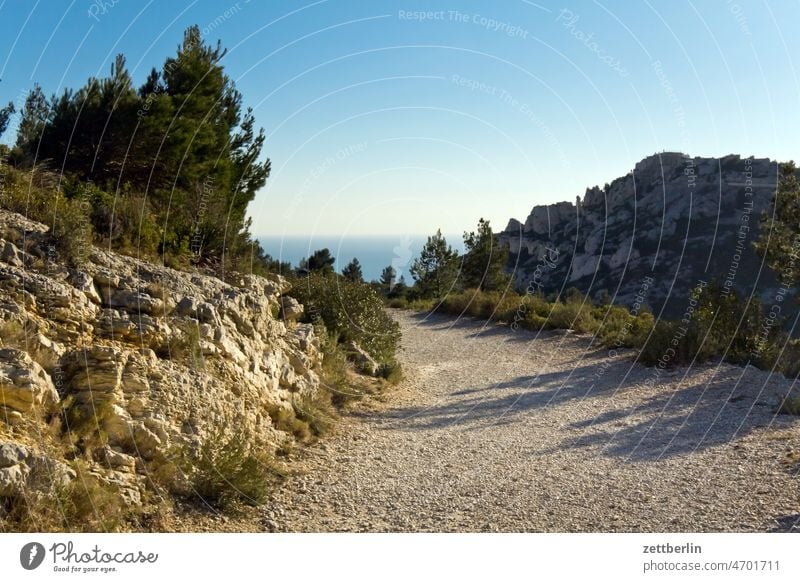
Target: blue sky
<point>382,120</point>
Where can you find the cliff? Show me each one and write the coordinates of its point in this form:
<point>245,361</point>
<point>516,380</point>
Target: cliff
<point>126,366</point>
<point>675,219</point>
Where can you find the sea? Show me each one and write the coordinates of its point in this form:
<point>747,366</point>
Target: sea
<point>374,252</point>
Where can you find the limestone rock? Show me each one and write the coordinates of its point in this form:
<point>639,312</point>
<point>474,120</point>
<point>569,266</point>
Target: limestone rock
<point>10,254</point>
<point>23,470</point>
<point>12,454</point>
<point>85,283</point>
<point>144,360</point>
<point>291,309</point>
<point>136,302</point>
<point>363,361</point>
<point>673,218</point>
<point>24,385</point>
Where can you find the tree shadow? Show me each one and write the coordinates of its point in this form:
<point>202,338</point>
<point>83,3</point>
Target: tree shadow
<point>787,524</point>
<point>489,328</point>
<point>679,422</point>
<point>672,421</point>
<point>502,402</point>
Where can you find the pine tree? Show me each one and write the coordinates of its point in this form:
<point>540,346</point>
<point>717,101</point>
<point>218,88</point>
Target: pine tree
<point>388,276</point>
<point>352,272</point>
<point>5,116</point>
<point>181,144</point>
<point>320,261</point>
<point>35,114</point>
<point>436,269</point>
<point>485,259</point>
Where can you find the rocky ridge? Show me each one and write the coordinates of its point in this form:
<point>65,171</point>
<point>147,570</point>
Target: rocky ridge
<point>673,218</point>
<point>126,362</point>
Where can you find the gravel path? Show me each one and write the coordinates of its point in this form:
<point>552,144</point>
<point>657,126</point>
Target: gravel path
<point>501,430</point>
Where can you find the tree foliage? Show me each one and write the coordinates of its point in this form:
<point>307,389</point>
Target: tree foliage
<point>5,116</point>
<point>436,269</point>
<point>388,276</point>
<point>352,271</point>
<point>181,147</point>
<point>485,260</point>
<point>320,261</point>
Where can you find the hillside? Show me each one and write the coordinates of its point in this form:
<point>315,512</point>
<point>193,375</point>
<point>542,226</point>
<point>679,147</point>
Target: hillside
<point>123,382</point>
<point>675,219</point>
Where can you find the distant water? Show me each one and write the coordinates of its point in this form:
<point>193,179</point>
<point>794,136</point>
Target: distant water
<point>373,252</point>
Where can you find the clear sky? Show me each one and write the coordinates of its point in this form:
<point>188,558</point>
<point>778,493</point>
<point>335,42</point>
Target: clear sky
<point>381,120</point>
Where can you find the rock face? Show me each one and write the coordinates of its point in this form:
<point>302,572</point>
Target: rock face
<point>148,358</point>
<point>675,219</point>
<point>22,469</point>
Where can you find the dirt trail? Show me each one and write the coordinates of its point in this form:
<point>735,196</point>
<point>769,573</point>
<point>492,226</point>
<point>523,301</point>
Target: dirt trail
<point>501,430</point>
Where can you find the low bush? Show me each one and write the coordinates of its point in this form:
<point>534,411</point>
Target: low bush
<point>86,504</point>
<point>392,372</point>
<point>316,411</point>
<point>335,379</point>
<point>225,471</point>
<point>352,310</point>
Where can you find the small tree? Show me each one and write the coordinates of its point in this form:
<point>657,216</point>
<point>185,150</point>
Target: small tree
<point>35,113</point>
<point>388,276</point>
<point>485,259</point>
<point>352,272</point>
<point>399,289</point>
<point>5,116</point>
<point>436,269</point>
<point>320,261</point>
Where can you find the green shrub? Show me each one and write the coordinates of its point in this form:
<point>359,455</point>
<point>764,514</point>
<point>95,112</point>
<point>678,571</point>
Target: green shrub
<point>335,380</point>
<point>286,420</point>
<point>72,231</point>
<point>183,347</point>
<point>533,321</point>
<point>572,314</point>
<point>463,303</point>
<point>353,310</point>
<point>86,504</point>
<point>316,411</point>
<point>423,305</point>
<point>669,344</point>
<point>392,372</point>
<point>126,220</point>
<point>226,470</point>
<point>788,362</point>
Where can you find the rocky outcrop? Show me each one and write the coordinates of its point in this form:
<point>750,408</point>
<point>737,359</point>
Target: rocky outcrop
<point>673,218</point>
<point>134,361</point>
<point>362,360</point>
<point>21,469</point>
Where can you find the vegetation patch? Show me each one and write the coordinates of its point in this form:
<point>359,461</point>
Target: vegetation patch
<point>226,471</point>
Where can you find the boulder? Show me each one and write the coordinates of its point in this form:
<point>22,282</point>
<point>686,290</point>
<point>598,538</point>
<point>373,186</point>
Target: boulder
<point>24,470</point>
<point>291,309</point>
<point>85,283</point>
<point>10,254</point>
<point>24,385</point>
<point>136,302</point>
<point>363,361</point>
